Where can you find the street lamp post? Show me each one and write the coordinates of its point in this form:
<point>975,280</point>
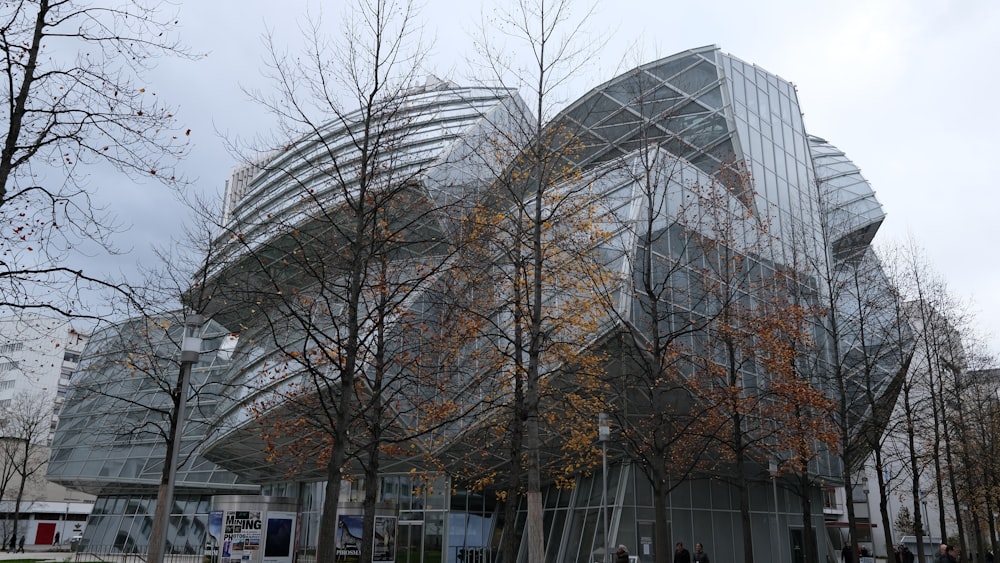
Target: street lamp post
<point>190,351</point>
<point>773,470</point>
<point>62,530</point>
<point>603,435</point>
<point>868,509</point>
<point>927,520</point>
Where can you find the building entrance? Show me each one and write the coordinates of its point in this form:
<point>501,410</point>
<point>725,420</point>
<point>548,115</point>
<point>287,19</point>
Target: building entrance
<point>410,541</point>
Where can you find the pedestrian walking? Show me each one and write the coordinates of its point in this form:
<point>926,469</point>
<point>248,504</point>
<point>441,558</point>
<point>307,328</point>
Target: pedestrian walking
<point>621,554</point>
<point>699,554</point>
<point>681,555</point>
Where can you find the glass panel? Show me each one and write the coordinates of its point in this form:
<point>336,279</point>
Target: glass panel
<point>410,537</point>
<point>594,109</point>
<point>618,126</point>
<point>706,131</point>
<point>712,98</point>
<point>433,536</point>
<point>626,90</point>
<point>659,101</point>
<point>696,78</point>
<point>438,493</point>
<point>670,68</point>
<point>555,524</point>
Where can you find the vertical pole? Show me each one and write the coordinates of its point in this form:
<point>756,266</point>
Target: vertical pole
<point>604,502</point>
<point>165,497</point>
<point>773,467</point>
<point>603,434</point>
<point>190,352</point>
<point>890,538</point>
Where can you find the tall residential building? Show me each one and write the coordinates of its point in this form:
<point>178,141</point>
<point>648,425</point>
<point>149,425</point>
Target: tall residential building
<point>38,355</point>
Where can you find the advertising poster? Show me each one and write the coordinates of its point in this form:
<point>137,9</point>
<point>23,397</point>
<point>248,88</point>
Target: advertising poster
<point>349,532</point>
<point>215,523</point>
<point>241,536</point>
<point>385,539</point>
<point>279,536</point>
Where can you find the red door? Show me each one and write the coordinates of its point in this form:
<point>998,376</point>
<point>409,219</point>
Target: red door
<point>46,533</point>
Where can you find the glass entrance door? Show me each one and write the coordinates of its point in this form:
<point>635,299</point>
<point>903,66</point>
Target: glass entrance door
<point>410,541</point>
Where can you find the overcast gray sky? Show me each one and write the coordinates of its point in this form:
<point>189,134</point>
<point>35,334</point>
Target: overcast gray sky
<point>907,88</point>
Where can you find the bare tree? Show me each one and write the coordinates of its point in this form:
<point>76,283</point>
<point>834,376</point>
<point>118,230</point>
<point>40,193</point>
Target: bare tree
<point>937,321</point>
<point>909,422</point>
<point>26,425</point>
<point>74,96</point>
<point>334,282</point>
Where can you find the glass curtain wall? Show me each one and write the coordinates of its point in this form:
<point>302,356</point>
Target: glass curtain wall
<point>122,524</point>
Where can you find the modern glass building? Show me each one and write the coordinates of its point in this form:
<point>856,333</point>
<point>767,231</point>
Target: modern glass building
<point>705,112</point>
<point>108,442</point>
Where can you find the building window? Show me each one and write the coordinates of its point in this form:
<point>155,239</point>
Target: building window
<point>8,366</point>
<point>6,384</point>
<point>830,498</point>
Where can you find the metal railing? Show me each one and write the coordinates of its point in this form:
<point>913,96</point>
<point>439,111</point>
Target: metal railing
<point>128,554</point>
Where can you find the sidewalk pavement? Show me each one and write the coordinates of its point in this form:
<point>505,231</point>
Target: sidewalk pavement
<point>41,553</point>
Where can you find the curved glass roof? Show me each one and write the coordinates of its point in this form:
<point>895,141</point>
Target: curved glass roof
<point>676,102</point>
<point>853,212</point>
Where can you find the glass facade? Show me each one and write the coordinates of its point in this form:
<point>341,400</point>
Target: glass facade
<point>708,113</point>
<point>108,440</point>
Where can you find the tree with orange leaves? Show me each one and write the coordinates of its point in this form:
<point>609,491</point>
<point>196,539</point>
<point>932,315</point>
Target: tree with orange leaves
<point>752,341</point>
<point>538,335</point>
<point>535,266</point>
<point>800,410</point>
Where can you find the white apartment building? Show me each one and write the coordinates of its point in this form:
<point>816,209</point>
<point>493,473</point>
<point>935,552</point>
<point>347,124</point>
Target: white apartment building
<point>38,355</point>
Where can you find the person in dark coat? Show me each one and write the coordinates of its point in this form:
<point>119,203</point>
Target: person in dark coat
<point>699,554</point>
<point>621,554</point>
<point>681,555</point>
<point>20,544</point>
<point>847,554</point>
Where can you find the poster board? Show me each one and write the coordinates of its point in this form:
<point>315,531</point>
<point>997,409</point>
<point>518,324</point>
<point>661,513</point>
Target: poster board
<point>384,550</point>
<point>241,536</point>
<point>279,536</point>
<point>350,530</point>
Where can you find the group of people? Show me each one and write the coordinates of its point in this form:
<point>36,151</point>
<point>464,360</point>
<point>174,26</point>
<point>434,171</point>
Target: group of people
<point>681,555</point>
<point>16,545</point>
<point>904,555</point>
<point>847,553</point>
<point>948,554</point>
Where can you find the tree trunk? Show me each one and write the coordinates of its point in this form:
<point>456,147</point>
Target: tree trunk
<point>661,512</point>
<point>326,547</point>
<point>883,504</point>
<point>742,485</point>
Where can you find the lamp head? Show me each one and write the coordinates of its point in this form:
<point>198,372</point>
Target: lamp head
<point>191,345</point>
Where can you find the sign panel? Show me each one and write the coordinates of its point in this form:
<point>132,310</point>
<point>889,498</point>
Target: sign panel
<point>279,535</point>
